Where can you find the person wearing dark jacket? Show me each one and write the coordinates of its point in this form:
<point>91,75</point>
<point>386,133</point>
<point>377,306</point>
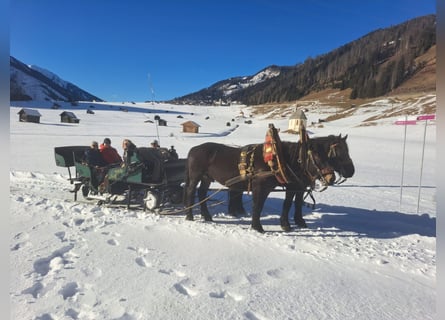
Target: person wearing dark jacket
<point>93,157</point>
<point>173,153</point>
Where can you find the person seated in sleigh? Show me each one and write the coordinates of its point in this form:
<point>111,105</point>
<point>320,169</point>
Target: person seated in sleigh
<point>97,164</point>
<point>109,154</point>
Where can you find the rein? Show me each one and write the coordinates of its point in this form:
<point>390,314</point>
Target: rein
<point>320,172</point>
<point>333,154</point>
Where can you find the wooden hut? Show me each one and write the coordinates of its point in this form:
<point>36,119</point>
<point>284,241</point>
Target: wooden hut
<point>190,126</point>
<point>297,119</point>
<point>68,117</point>
<point>29,115</point>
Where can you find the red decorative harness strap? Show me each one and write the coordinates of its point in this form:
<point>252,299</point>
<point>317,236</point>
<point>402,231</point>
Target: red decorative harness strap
<point>268,152</point>
<point>272,155</point>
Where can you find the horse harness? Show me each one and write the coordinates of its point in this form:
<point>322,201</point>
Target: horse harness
<point>272,156</point>
<point>332,153</point>
<point>246,164</point>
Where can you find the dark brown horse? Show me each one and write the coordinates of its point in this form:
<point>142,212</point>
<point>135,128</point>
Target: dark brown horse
<point>332,147</point>
<point>337,151</point>
<point>213,161</point>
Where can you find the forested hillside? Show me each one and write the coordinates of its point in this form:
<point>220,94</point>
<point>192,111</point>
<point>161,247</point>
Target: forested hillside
<point>372,66</point>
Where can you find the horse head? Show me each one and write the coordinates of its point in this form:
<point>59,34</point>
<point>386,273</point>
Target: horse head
<point>313,162</point>
<point>338,154</point>
<point>318,167</point>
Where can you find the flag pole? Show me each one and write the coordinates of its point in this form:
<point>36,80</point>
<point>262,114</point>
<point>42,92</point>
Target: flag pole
<point>421,167</point>
<point>403,163</point>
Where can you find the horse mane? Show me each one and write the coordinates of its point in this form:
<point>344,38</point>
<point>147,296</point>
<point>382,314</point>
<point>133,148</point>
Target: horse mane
<point>325,139</point>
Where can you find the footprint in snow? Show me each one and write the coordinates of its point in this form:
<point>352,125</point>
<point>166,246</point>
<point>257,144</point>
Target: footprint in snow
<point>186,288</point>
<point>52,263</point>
<point>142,262</point>
<point>92,272</point>
<point>254,278</point>
<point>73,314</point>
<point>21,236</point>
<point>276,273</point>
<point>35,290</point>
<point>69,290</point>
<point>60,235</point>
<point>113,242</point>
<point>45,316</point>
<point>21,245</point>
<point>171,271</point>
<point>225,294</point>
<point>79,221</point>
<point>252,316</point>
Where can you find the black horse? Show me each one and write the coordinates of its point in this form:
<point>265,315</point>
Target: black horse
<point>337,151</point>
<point>213,161</point>
<point>332,147</point>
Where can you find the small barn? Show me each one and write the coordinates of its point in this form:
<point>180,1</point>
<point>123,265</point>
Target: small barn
<point>297,119</point>
<point>190,126</point>
<point>29,115</point>
<point>68,117</point>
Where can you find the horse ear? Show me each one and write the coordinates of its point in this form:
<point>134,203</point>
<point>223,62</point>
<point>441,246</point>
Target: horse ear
<point>345,137</point>
<point>339,136</point>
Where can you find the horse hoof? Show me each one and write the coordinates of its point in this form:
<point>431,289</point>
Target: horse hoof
<point>286,228</point>
<point>189,217</point>
<point>301,224</point>
<point>258,228</point>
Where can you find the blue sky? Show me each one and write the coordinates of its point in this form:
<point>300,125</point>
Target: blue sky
<point>119,50</point>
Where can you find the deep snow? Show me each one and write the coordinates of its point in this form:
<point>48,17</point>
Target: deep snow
<point>363,256</point>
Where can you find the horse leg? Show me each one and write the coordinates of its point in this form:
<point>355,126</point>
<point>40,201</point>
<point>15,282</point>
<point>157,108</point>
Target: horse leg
<point>298,215</point>
<point>202,194</point>
<point>259,196</point>
<point>236,203</point>
<point>189,197</point>
<point>287,203</point>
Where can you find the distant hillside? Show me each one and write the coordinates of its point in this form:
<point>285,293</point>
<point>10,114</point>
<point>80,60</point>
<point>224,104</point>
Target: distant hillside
<point>34,83</point>
<point>397,59</point>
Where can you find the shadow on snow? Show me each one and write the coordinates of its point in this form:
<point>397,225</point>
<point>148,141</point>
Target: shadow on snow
<point>340,219</point>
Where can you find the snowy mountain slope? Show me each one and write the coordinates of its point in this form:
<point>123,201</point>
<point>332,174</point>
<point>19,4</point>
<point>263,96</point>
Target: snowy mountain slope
<point>35,83</point>
<point>245,82</point>
<point>225,88</point>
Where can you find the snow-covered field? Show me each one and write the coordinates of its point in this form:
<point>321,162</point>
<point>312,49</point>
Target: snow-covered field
<point>364,255</point>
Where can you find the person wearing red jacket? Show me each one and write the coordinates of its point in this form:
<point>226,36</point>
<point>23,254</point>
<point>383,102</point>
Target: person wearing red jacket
<point>109,154</point>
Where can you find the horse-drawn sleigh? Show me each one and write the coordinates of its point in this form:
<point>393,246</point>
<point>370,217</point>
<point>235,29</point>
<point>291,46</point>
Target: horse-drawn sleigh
<point>296,166</point>
<point>132,183</point>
